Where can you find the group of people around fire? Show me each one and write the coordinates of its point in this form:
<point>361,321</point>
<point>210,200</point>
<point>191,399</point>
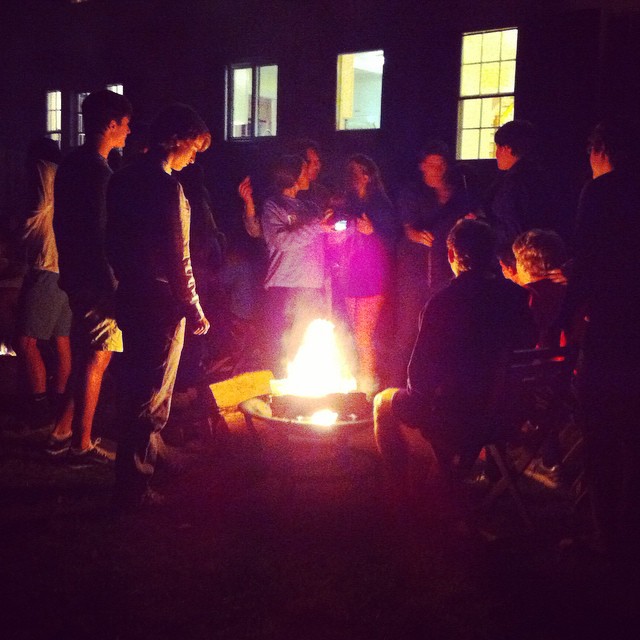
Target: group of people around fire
<point>433,286</point>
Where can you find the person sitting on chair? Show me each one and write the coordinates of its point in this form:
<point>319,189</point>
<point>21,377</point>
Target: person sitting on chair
<point>465,335</point>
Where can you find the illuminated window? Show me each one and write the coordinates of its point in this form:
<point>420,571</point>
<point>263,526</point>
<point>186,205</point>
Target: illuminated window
<point>78,117</point>
<point>54,115</point>
<point>116,88</point>
<point>252,101</point>
<point>359,90</point>
<point>487,88</point>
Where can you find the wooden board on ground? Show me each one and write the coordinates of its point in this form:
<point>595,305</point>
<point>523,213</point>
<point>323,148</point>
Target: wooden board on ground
<point>229,393</point>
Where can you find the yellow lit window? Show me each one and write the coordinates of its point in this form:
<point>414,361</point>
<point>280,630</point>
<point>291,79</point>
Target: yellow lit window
<point>487,88</point>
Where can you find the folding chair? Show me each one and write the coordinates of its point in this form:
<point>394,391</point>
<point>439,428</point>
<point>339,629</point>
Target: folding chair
<point>536,391</point>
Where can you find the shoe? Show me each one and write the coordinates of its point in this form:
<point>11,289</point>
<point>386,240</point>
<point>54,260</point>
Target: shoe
<point>93,456</point>
<point>57,446</point>
<point>548,476</point>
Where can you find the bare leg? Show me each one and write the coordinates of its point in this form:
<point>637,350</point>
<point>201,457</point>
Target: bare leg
<point>87,393</point>
<point>388,434</point>
<point>363,315</point>
<point>33,363</point>
<point>63,368</point>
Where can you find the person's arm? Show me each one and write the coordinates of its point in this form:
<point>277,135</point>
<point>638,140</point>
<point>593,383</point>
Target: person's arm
<point>282,231</point>
<point>249,217</point>
<point>180,272</point>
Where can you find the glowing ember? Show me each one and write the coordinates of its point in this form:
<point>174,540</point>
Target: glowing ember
<point>319,368</point>
<point>324,418</point>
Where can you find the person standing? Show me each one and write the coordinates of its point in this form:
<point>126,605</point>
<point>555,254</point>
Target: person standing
<point>85,275</point>
<point>148,246</point>
<point>605,287</point>
<point>43,308</point>
<point>428,210</point>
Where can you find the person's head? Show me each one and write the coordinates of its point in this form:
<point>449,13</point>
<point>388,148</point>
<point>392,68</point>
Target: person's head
<point>177,134</point>
<point>43,149</point>
<point>435,163</point>
<point>514,140</point>
<point>363,175</point>
<point>290,172</point>
<point>536,253</point>
<point>471,246</point>
<point>310,151</point>
<point>613,144</point>
<point>106,113</point>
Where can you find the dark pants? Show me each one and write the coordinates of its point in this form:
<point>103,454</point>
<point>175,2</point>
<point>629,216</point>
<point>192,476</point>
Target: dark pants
<point>150,362</point>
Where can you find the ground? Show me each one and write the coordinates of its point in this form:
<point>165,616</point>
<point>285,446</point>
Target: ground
<point>253,544</point>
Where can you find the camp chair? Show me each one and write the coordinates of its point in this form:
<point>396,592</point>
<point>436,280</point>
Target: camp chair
<point>537,390</point>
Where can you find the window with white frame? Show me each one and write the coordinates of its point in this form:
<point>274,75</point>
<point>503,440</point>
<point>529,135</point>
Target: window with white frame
<point>54,115</point>
<point>78,119</point>
<point>252,101</point>
<point>487,90</point>
<point>359,90</point>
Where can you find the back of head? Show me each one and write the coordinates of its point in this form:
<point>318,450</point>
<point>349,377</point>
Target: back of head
<point>101,107</point>
<point>286,171</point>
<point>538,251</point>
<point>176,122</point>
<point>43,149</point>
<point>618,138</point>
<point>473,244</point>
<point>519,135</point>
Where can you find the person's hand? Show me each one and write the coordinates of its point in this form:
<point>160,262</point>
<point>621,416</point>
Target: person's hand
<point>201,327</point>
<point>420,237</point>
<point>557,276</point>
<point>245,191</point>
<point>364,224</point>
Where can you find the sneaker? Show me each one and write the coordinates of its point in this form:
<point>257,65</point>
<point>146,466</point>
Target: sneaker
<point>57,446</point>
<point>548,476</point>
<point>94,455</point>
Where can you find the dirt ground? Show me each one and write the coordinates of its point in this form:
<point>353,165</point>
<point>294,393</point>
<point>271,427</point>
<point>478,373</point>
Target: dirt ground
<point>257,541</point>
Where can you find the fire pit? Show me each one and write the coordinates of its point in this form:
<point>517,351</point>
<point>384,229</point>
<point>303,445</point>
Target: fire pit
<point>317,402</point>
<point>329,414</point>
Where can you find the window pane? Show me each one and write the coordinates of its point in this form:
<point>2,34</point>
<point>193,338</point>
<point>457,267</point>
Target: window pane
<point>470,80</point>
<point>471,114</point>
<point>116,88</point>
<point>490,78</point>
<point>469,140</point>
<point>359,90</point>
<point>507,109</point>
<point>491,46</point>
<point>241,107</point>
<point>487,145</point>
<point>54,113</point>
<point>266,109</point>
<point>509,44</point>
<point>507,76</point>
<point>471,48</point>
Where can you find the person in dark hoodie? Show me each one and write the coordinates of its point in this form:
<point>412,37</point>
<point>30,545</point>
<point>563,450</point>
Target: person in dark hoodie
<point>148,246</point>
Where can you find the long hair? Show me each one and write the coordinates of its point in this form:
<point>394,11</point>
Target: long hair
<point>376,186</point>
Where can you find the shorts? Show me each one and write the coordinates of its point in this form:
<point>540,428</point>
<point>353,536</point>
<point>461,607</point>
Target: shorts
<point>43,308</point>
<point>94,326</point>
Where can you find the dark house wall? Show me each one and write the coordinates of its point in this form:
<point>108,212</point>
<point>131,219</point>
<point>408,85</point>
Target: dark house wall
<point>572,63</point>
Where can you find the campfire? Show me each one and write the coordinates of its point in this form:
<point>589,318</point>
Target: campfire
<point>319,391</point>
